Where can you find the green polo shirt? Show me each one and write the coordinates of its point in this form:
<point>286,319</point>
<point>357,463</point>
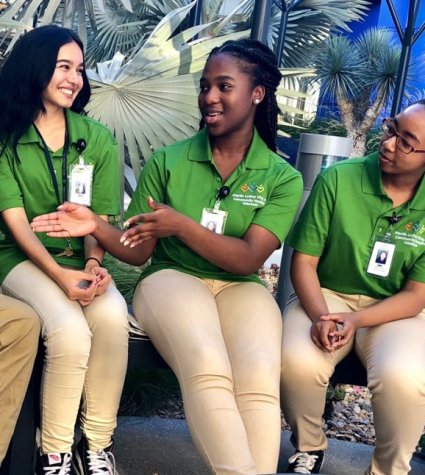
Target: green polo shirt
<point>264,190</point>
<point>27,183</point>
<point>345,214</point>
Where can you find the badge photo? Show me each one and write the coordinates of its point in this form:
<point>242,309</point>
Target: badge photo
<point>214,220</point>
<point>80,184</point>
<point>381,258</point>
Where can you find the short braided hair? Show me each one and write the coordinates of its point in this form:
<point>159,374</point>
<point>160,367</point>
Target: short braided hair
<point>259,61</point>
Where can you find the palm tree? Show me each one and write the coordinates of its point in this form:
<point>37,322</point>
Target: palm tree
<point>360,76</point>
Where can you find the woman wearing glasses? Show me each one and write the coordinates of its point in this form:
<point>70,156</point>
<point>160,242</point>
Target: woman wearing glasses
<point>359,210</point>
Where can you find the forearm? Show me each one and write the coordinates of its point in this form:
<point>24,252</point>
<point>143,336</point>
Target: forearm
<point>240,256</point>
<point>307,285</point>
<point>92,248</point>
<point>30,244</point>
<point>109,237</point>
<point>407,303</point>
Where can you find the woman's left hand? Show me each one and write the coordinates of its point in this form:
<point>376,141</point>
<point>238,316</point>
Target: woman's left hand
<point>347,326</point>
<point>162,222</point>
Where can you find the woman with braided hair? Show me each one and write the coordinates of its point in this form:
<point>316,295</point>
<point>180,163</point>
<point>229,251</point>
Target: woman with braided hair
<point>201,300</point>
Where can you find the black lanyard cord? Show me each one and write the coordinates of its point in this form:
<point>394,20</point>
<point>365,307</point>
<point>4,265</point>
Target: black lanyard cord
<point>49,162</point>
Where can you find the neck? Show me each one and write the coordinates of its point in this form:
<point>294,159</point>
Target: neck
<point>53,115</point>
<point>51,126</point>
<point>231,146</point>
<point>401,188</point>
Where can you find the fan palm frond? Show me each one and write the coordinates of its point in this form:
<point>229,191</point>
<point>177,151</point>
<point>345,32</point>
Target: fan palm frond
<point>151,100</point>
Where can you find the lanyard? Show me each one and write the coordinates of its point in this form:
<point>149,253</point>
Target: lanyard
<point>49,162</point>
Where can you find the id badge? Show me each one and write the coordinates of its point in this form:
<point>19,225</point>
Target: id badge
<point>80,184</point>
<point>214,220</point>
<point>381,258</point>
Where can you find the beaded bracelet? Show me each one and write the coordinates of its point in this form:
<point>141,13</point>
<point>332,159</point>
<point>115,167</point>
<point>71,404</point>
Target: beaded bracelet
<point>95,259</point>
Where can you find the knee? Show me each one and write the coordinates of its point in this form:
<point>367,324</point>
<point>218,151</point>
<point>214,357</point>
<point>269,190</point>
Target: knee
<point>262,376</point>
<point>68,339</point>
<point>108,315</point>
<point>304,367</point>
<point>208,368</point>
<point>403,382</point>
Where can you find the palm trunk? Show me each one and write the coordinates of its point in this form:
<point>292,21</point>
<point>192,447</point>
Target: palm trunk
<point>355,130</point>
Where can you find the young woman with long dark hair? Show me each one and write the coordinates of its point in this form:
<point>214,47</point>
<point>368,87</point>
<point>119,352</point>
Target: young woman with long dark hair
<point>48,147</point>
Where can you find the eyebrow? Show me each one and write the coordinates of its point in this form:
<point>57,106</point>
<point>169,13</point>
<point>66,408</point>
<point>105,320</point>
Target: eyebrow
<point>68,62</point>
<point>220,78</point>
<point>406,133</point>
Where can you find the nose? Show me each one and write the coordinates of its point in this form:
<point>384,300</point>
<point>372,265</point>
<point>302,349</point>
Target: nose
<point>211,96</point>
<point>390,143</point>
<point>73,76</point>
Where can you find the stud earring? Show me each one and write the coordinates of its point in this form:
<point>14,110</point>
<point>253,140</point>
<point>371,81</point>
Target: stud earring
<point>256,101</point>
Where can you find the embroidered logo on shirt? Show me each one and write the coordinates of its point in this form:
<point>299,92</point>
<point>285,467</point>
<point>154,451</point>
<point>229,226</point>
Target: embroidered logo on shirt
<point>251,195</point>
<point>252,188</point>
<point>417,227</point>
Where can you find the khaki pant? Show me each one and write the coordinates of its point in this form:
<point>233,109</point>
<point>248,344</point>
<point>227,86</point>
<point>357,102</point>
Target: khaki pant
<point>86,355</point>
<point>394,355</point>
<point>19,332</point>
<point>222,340</point>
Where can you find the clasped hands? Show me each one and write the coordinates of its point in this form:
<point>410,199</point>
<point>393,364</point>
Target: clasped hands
<point>334,330</point>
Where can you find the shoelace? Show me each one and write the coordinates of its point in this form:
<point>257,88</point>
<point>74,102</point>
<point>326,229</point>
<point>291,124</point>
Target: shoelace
<point>305,462</point>
<point>64,469</point>
<point>101,462</point>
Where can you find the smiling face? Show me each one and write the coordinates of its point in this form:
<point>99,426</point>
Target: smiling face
<point>67,80</point>
<point>410,125</point>
<point>227,98</point>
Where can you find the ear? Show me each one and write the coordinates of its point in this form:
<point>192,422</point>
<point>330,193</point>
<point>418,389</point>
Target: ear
<point>258,94</point>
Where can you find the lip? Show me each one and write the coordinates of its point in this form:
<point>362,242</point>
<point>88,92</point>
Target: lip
<point>383,158</point>
<point>211,117</point>
<point>67,92</point>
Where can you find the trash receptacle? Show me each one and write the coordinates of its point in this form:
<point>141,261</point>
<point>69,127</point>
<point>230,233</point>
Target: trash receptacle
<point>315,153</point>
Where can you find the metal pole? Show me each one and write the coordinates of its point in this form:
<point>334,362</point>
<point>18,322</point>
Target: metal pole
<point>282,32</point>
<point>407,40</point>
<point>280,46</point>
<point>261,20</point>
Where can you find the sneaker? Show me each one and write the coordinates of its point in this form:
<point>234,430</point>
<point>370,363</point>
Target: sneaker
<point>306,462</point>
<point>90,462</point>
<point>54,463</point>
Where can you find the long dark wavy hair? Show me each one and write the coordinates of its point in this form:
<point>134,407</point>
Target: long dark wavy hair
<point>259,61</point>
<point>26,74</point>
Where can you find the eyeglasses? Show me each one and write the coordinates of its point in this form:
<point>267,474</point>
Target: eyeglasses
<point>389,129</point>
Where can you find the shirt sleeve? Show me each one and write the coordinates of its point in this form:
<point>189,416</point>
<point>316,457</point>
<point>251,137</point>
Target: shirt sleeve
<point>310,232</point>
<point>279,212</point>
<point>417,273</point>
<point>152,182</point>
<point>10,192</point>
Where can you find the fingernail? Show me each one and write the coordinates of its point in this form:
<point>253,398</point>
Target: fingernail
<point>132,245</point>
<point>122,239</point>
<point>126,242</point>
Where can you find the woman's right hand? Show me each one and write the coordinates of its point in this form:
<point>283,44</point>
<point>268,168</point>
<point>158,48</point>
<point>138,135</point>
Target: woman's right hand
<point>72,282</point>
<point>71,220</point>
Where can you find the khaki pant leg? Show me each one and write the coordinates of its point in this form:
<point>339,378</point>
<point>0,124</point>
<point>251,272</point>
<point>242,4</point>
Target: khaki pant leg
<point>394,354</point>
<point>67,339</point>
<point>179,313</point>
<point>19,332</point>
<point>306,370</point>
<point>108,322</point>
<point>252,328</point>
